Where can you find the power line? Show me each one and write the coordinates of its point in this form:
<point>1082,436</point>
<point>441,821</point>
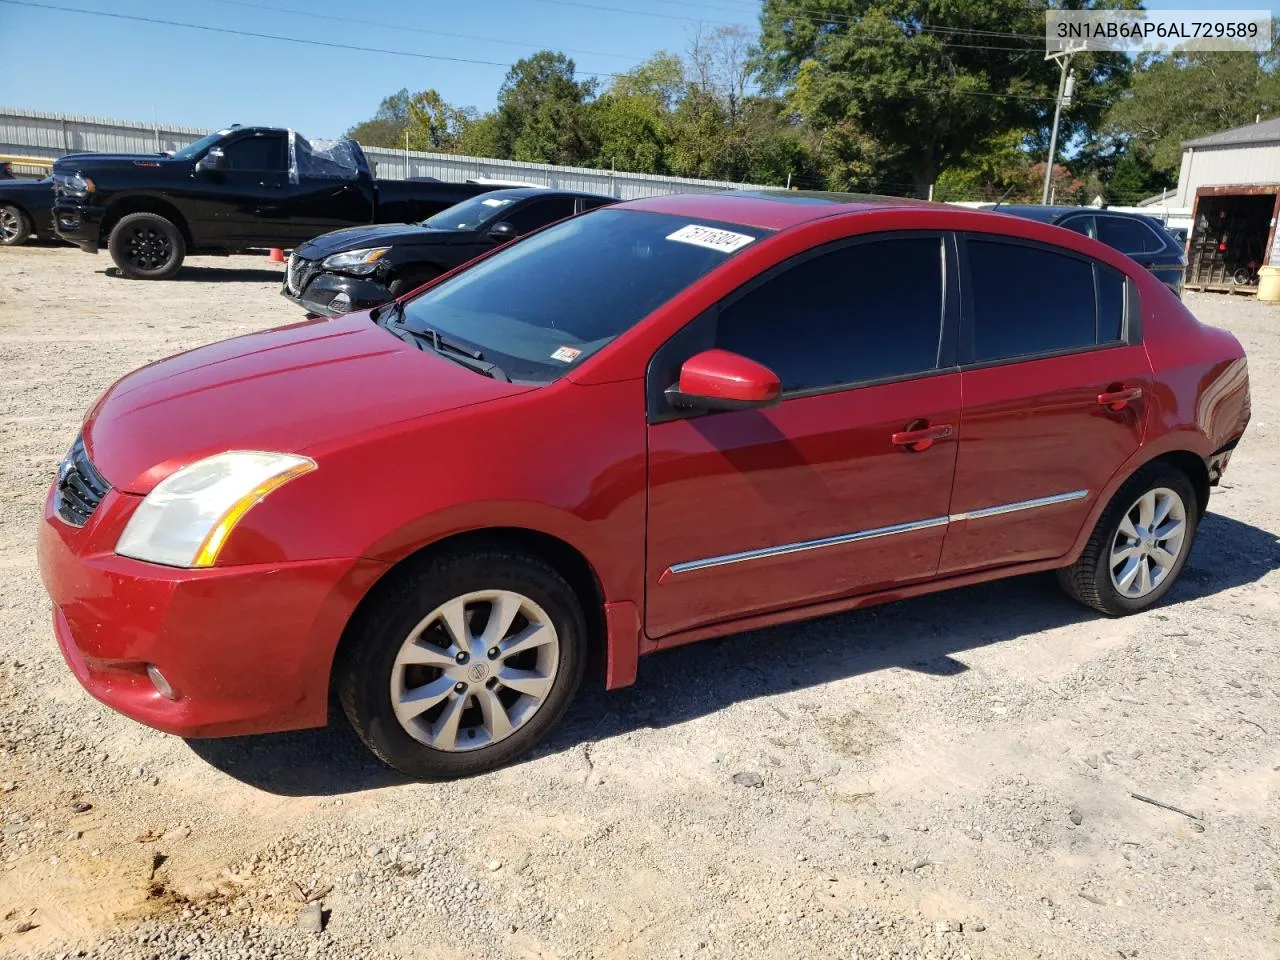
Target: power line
<point>402,27</point>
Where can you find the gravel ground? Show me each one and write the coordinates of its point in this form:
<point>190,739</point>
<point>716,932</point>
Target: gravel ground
<point>948,777</point>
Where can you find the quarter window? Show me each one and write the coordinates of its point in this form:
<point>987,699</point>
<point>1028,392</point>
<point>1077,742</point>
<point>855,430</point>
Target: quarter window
<point>1110,304</point>
<point>866,311</point>
<point>1028,300</point>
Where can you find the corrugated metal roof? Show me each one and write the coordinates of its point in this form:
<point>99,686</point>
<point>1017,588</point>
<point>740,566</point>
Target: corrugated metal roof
<point>1267,131</point>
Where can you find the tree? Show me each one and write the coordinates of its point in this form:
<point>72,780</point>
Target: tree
<point>901,89</point>
<point>631,121</point>
<point>541,115</point>
<point>1185,95</point>
<point>386,128</point>
<point>435,125</point>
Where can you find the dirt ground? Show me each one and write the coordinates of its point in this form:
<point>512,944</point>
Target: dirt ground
<point>944,777</point>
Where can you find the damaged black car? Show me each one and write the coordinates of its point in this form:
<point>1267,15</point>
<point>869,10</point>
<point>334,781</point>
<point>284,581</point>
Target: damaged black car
<point>363,267</point>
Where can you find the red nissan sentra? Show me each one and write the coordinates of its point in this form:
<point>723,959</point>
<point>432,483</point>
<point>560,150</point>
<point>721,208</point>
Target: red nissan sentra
<point>657,422</point>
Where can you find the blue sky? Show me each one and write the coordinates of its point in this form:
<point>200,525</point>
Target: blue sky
<point>126,69</point>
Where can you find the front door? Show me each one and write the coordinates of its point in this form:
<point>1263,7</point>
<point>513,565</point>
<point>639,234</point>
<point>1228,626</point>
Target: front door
<point>1055,395</point>
<point>826,494</point>
<point>249,209</point>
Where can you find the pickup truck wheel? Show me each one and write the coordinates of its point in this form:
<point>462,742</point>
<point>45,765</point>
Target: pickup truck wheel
<point>463,663</point>
<point>146,246</point>
<point>1139,545</point>
<point>15,227</point>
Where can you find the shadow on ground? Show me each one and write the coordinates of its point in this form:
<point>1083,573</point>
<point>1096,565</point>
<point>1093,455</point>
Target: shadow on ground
<point>688,682</point>
<point>213,275</point>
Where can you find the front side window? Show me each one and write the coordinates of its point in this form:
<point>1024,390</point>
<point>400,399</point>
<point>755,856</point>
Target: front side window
<point>1082,225</point>
<point>256,153</point>
<point>539,213</point>
<point>1029,300</point>
<point>1127,236</point>
<point>542,305</point>
<point>866,311</point>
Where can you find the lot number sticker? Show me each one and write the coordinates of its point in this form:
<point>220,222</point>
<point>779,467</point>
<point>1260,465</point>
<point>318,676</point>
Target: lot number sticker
<point>566,354</point>
<point>713,238</point>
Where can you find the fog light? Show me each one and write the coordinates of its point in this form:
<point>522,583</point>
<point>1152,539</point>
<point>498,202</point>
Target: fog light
<point>161,684</point>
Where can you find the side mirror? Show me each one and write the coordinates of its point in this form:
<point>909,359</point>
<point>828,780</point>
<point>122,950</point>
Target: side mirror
<point>720,380</point>
<point>502,232</point>
<point>214,160</point>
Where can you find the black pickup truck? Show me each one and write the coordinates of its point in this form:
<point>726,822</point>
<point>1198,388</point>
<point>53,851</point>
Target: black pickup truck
<point>239,189</point>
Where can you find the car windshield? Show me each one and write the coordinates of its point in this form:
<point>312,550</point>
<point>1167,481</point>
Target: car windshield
<point>191,150</point>
<point>470,214</point>
<point>544,304</point>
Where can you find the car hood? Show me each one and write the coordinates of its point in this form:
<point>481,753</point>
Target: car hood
<point>282,390</point>
<point>75,162</point>
<point>379,235</point>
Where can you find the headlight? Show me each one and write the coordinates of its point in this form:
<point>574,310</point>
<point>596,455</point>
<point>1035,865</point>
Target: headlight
<point>186,519</point>
<point>359,262</point>
<point>73,184</point>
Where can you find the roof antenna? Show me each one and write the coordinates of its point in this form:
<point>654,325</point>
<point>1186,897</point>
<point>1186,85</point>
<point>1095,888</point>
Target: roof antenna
<point>1004,196</point>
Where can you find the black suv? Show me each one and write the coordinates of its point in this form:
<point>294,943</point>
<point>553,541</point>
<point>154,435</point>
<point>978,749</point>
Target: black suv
<point>363,267</point>
<point>1142,238</point>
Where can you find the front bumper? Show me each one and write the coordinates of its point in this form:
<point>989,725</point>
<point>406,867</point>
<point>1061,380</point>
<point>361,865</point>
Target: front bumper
<point>78,223</point>
<point>246,649</point>
<point>333,294</point>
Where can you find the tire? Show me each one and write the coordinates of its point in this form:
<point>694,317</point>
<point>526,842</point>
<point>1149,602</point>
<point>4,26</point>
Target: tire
<point>409,619</point>
<point>411,280</point>
<point>1091,579</point>
<point>146,246</point>
<point>15,226</point>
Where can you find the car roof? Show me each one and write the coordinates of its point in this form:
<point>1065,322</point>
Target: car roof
<point>519,193</point>
<point>1050,214</point>
<point>768,209</point>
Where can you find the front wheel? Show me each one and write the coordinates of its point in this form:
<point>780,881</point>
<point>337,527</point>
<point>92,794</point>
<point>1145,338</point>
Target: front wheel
<point>15,226</point>
<point>1139,545</point>
<point>146,246</point>
<point>463,663</point>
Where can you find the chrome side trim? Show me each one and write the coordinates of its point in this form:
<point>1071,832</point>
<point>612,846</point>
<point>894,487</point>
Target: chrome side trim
<point>803,545</point>
<point>1020,505</point>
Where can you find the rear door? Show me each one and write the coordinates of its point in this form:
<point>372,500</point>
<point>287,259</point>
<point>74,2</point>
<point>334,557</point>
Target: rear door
<point>819,497</point>
<point>1056,384</point>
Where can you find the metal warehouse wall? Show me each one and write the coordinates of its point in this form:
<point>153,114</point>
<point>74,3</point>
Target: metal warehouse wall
<point>1229,165</point>
<point>31,133</point>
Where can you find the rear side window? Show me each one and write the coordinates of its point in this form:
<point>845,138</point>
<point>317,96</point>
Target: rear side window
<point>1028,300</point>
<point>1127,236</point>
<point>866,311</point>
<point>1110,304</point>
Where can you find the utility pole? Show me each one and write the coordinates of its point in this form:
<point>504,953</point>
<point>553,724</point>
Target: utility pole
<point>1066,86</point>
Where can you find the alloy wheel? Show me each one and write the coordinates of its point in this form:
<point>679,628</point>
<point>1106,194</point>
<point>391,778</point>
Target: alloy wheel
<point>10,224</point>
<point>148,248</point>
<point>1148,543</point>
<point>474,670</point>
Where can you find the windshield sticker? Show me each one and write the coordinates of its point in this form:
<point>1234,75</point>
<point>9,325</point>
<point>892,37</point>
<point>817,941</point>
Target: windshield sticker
<point>490,202</point>
<point>726,241</point>
<point>566,354</point>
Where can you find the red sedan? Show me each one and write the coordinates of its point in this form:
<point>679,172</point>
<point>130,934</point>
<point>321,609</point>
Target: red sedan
<point>662,421</point>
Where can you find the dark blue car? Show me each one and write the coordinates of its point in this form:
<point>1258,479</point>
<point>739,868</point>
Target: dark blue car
<point>1142,238</point>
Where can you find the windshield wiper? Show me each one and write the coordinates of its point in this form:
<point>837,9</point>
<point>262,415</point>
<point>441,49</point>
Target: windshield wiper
<point>431,339</point>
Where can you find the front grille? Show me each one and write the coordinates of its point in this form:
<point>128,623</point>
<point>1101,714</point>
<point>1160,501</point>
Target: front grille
<point>80,487</point>
<point>299,273</point>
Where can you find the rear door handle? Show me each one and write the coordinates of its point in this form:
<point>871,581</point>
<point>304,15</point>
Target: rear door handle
<point>922,438</point>
<point>1119,399</point>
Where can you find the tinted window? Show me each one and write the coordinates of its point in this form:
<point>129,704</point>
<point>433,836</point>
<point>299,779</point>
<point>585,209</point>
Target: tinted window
<point>1127,236</point>
<point>590,203</point>
<point>256,153</point>
<point>541,305</point>
<point>1027,300</point>
<point>1079,225</point>
<point>862,312</point>
<point>1110,304</point>
<point>472,213</point>
<point>539,213</point>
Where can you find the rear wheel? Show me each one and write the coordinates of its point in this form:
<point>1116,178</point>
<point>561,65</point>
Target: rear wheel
<point>146,246</point>
<point>463,663</point>
<point>1139,545</point>
<point>15,226</point>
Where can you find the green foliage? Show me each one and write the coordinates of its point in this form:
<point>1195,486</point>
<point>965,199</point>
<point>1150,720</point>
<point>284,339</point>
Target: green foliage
<point>386,127</point>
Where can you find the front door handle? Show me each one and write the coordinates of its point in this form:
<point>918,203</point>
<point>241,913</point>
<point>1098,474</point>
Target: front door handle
<point>921,438</point>
<point>1119,399</point>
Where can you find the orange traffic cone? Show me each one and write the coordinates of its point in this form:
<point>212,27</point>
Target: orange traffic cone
<point>277,255</point>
